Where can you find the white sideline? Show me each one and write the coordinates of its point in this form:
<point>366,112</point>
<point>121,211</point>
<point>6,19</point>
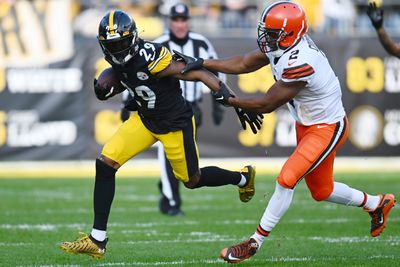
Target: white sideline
<point>150,167</point>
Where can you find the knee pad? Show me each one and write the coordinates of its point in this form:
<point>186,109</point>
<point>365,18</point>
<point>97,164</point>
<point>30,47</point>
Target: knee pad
<point>321,194</point>
<point>287,180</point>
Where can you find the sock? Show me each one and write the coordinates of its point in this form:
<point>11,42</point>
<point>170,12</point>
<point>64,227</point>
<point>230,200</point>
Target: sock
<point>243,181</point>
<point>345,195</point>
<point>371,202</point>
<point>99,235</point>
<point>260,235</point>
<point>104,190</point>
<point>214,176</point>
<point>276,208</point>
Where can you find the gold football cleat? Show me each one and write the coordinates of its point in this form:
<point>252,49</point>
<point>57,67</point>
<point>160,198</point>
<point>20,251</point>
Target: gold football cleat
<point>247,192</point>
<point>84,244</point>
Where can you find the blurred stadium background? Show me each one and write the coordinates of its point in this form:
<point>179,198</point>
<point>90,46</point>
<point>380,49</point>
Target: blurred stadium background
<point>52,126</point>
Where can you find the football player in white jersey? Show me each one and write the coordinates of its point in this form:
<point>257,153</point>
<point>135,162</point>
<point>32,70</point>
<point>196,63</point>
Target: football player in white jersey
<point>307,84</point>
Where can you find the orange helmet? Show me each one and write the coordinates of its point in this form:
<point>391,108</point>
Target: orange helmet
<point>282,24</point>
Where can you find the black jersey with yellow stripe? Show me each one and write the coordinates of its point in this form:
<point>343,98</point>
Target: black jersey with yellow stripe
<point>161,105</point>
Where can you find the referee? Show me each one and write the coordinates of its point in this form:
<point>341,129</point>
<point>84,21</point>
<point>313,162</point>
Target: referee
<point>179,37</point>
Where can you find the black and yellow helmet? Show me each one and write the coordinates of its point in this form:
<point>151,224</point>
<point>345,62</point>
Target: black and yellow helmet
<point>118,37</point>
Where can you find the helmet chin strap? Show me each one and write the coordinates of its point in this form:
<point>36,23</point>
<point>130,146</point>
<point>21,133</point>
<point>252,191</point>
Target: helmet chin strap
<point>277,53</point>
<point>127,58</point>
<point>123,61</point>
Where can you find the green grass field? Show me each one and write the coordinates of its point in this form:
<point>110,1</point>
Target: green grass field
<point>37,214</point>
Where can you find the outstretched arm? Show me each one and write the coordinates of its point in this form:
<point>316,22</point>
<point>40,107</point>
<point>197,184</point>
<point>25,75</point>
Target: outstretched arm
<point>174,69</point>
<point>390,46</point>
<point>254,120</point>
<point>279,94</point>
<point>375,14</point>
<point>246,63</point>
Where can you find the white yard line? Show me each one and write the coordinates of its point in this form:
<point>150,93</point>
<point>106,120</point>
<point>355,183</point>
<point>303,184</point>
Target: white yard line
<point>41,227</point>
<point>51,265</point>
<point>18,244</point>
<point>289,259</point>
<point>392,240</point>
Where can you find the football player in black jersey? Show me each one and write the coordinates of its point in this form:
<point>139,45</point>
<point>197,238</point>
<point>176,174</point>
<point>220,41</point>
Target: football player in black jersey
<point>151,75</point>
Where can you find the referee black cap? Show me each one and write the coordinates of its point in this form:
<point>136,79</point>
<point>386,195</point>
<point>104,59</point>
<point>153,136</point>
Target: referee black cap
<point>179,10</point>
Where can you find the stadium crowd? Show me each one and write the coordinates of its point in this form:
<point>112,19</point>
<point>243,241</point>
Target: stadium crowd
<point>237,17</point>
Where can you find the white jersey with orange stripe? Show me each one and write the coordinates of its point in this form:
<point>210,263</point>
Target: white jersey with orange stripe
<point>321,99</point>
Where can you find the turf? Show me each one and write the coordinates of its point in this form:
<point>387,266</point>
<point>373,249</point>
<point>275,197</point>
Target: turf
<point>37,214</point>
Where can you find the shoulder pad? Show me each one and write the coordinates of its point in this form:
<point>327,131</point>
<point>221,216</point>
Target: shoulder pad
<point>162,59</point>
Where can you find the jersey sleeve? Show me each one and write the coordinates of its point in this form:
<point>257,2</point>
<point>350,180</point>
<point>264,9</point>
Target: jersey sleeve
<point>161,60</point>
<point>301,72</point>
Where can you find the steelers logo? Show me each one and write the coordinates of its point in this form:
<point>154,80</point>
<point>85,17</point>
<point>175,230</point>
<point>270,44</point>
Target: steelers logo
<point>142,76</point>
<point>366,127</point>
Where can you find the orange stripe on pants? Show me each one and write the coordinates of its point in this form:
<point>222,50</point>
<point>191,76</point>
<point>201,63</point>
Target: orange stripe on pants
<point>313,157</point>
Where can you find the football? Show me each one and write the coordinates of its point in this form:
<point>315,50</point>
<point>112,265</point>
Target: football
<point>109,78</point>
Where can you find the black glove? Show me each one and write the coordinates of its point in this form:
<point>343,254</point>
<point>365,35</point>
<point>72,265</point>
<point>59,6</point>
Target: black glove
<point>217,112</point>
<point>192,63</point>
<point>125,114</point>
<point>252,118</point>
<point>376,15</point>
<point>198,114</point>
<point>128,104</point>
<point>178,56</point>
<point>103,93</point>
<point>222,95</point>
